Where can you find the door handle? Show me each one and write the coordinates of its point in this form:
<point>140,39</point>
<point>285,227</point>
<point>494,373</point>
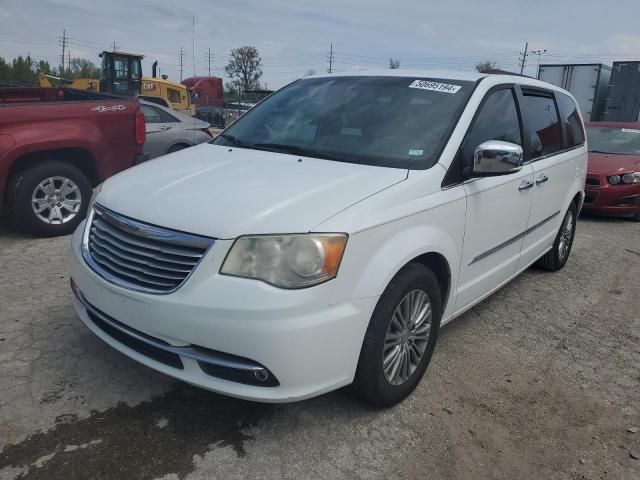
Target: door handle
<point>541,179</point>
<point>525,186</point>
<point>164,127</point>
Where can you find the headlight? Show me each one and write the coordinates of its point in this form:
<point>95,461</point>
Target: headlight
<point>631,177</point>
<point>614,179</point>
<point>286,261</point>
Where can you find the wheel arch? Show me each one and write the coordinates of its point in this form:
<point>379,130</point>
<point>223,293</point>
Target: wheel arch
<point>182,144</point>
<point>439,265</point>
<point>80,158</point>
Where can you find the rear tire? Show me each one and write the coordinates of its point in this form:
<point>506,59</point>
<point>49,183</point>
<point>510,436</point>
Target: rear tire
<point>384,343</point>
<point>177,148</point>
<point>59,190</point>
<point>557,257</point>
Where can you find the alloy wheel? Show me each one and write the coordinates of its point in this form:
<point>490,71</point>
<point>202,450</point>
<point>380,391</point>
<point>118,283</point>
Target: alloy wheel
<point>566,232</point>
<point>56,200</point>
<point>407,337</point>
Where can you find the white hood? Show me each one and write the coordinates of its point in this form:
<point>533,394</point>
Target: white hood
<point>225,192</point>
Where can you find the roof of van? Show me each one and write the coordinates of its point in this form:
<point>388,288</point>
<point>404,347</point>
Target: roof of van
<point>440,74</point>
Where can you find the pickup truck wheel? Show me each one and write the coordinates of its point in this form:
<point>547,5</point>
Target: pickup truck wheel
<point>401,337</point>
<point>557,257</point>
<point>49,199</point>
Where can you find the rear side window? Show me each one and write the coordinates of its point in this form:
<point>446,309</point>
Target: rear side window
<point>166,117</point>
<point>541,118</point>
<point>151,115</point>
<point>569,114</point>
<point>496,120</point>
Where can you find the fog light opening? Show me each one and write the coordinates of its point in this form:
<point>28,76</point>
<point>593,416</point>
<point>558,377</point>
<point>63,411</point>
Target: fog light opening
<point>262,375</point>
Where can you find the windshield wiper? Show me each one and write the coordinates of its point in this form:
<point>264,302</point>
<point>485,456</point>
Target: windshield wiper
<point>284,148</point>
<point>296,150</point>
<point>232,139</point>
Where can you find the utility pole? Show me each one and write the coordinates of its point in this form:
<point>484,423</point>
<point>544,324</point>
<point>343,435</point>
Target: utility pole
<point>69,58</point>
<point>523,59</point>
<point>181,61</point>
<point>539,53</point>
<point>63,42</point>
<point>115,47</point>
<point>330,60</point>
<point>208,57</point>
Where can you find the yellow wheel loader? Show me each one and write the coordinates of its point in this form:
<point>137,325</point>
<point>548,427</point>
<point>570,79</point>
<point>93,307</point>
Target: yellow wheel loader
<point>121,74</point>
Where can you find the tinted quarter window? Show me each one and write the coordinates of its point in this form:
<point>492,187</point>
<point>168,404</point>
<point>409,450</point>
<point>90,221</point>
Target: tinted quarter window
<point>569,114</point>
<point>151,115</point>
<point>541,118</point>
<point>166,117</point>
<point>496,120</point>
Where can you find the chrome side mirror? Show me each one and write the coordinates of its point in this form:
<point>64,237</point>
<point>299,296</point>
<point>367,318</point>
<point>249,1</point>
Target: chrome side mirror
<point>496,157</point>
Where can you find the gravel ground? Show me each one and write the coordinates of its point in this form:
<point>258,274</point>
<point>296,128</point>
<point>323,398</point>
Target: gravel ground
<point>542,380</point>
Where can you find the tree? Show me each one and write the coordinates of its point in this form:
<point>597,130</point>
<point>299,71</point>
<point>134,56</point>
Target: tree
<point>230,90</point>
<point>5,70</point>
<point>394,63</point>
<point>44,67</point>
<point>244,67</point>
<point>310,72</point>
<point>83,68</point>
<point>486,66</point>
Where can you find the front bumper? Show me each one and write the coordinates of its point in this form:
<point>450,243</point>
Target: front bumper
<point>307,345</point>
<point>610,199</point>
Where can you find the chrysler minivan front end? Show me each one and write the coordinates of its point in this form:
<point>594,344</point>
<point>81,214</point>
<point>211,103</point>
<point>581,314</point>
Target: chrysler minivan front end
<point>205,310</point>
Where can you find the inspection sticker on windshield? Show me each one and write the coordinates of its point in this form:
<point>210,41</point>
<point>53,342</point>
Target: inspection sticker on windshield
<point>631,130</point>
<point>435,86</point>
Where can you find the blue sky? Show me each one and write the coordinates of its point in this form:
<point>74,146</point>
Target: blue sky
<point>294,37</point>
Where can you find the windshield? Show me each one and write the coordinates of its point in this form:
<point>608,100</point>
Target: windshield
<point>396,122</point>
<point>616,140</point>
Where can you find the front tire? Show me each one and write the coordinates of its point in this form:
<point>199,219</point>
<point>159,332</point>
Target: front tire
<point>48,199</point>
<point>401,337</point>
<point>557,257</point>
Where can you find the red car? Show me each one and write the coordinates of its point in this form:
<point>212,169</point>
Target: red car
<point>613,175</point>
<point>56,144</point>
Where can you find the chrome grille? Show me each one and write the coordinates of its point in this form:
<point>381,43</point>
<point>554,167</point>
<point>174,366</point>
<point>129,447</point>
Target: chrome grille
<point>140,256</point>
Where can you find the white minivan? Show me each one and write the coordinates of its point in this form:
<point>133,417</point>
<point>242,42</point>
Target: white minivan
<point>326,236</point>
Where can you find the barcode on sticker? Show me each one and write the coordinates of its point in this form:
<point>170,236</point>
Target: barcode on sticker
<point>435,86</point>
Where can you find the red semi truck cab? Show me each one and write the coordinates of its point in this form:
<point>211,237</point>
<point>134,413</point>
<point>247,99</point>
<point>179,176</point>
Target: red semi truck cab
<point>56,145</point>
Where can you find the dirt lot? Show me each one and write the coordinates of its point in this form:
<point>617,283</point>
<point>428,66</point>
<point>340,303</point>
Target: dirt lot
<point>540,381</point>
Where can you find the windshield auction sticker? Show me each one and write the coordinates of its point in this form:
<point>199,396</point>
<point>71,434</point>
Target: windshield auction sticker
<point>435,86</point>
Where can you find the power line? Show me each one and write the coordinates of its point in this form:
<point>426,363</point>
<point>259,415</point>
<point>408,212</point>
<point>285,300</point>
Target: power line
<point>181,61</point>
<point>330,59</point>
<point>523,60</point>
<point>63,42</point>
<point>208,57</point>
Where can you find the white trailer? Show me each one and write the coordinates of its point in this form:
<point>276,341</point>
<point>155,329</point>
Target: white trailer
<point>588,83</point>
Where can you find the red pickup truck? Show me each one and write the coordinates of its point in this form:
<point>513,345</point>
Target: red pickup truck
<point>56,145</point>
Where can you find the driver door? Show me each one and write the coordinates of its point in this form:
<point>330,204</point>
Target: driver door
<point>497,206</point>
